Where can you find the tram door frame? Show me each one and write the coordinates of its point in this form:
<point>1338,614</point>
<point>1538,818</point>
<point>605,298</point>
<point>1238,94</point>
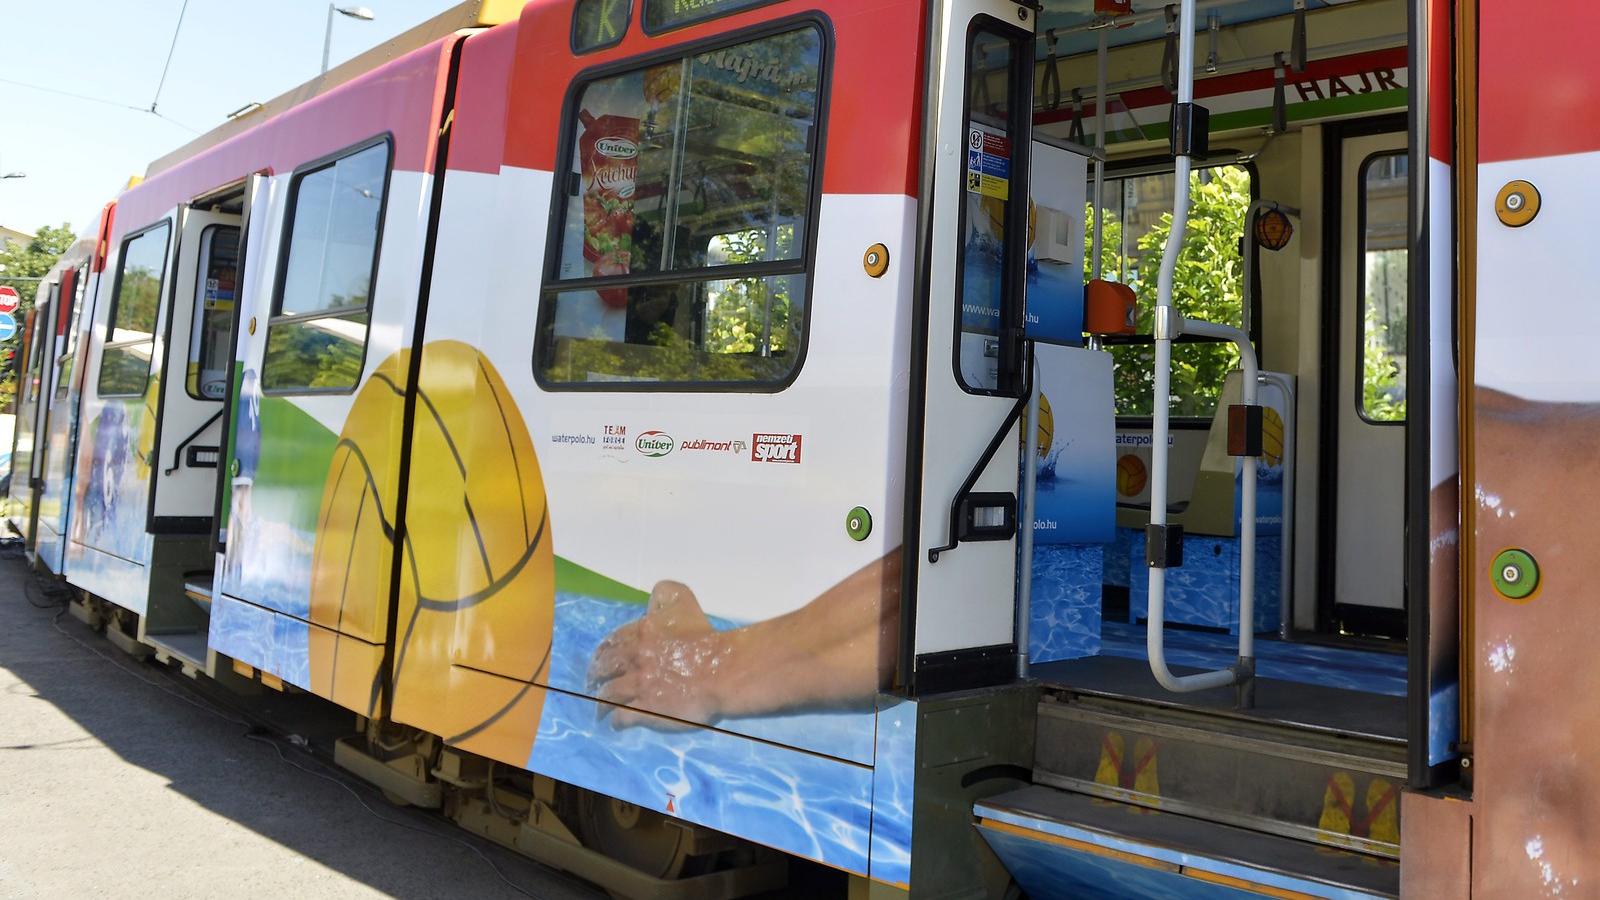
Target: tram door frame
<point>959,577</point>
<point>1341,236</point>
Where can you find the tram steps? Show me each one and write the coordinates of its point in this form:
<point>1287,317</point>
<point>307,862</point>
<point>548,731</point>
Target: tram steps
<point>1329,788</point>
<point>1060,844</point>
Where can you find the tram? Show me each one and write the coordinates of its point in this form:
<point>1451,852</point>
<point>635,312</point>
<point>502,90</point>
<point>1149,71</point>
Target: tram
<point>1078,448</point>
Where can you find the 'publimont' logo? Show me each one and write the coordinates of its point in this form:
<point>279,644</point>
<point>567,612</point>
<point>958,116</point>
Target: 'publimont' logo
<point>654,443</point>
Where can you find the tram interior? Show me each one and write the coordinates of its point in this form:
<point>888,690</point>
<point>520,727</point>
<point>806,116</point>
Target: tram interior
<point>1308,135</point>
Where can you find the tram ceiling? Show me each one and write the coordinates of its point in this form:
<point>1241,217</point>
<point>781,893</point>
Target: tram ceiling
<point>1250,36</point>
<point>1077,22</point>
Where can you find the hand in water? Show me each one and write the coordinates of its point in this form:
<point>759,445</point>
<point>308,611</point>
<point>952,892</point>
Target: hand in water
<point>836,652</point>
<point>664,662</point>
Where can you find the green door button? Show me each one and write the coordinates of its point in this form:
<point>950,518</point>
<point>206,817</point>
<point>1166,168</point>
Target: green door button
<point>858,523</point>
<point>1515,574</point>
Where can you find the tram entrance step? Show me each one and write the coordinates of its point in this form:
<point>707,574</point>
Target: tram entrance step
<point>198,587</point>
<point>1061,844</point>
<point>1317,785</point>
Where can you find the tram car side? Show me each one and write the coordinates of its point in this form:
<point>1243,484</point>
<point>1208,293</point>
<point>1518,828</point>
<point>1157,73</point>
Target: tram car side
<point>511,446</point>
<point>612,407</point>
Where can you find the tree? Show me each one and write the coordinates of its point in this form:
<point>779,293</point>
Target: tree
<point>1208,284</point>
<point>21,267</point>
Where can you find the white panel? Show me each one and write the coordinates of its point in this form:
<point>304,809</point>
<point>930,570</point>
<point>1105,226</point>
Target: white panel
<point>966,599</point>
<point>1540,347</point>
<point>185,491</point>
<point>1370,503</point>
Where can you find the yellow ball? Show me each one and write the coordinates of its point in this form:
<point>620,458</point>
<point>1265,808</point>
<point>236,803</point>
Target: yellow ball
<point>144,449</point>
<point>477,588</point>
<point>1271,436</point>
<point>1047,426</point>
<point>1132,475</point>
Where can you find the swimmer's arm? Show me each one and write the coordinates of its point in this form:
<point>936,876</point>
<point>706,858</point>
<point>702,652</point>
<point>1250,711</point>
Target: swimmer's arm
<point>838,648</point>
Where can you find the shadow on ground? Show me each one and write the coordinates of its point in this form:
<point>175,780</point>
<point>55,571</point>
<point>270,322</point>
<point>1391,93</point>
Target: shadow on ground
<point>120,778</point>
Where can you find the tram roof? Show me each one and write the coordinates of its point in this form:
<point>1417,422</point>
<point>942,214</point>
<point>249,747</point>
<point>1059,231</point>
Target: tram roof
<point>471,14</point>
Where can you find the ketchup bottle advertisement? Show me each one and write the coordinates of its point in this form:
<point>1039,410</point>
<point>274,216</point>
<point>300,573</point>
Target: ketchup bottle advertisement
<point>609,153</point>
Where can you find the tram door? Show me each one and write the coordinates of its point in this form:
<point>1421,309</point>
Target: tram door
<point>198,315</point>
<point>973,362</point>
<point>1369,540</point>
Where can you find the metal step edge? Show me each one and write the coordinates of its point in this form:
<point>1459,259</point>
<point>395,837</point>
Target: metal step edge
<point>165,651</point>
<point>1226,817</point>
<point>1070,695</point>
<point>1264,746</point>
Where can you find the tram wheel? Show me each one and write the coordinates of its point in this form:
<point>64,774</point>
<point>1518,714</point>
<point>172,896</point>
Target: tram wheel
<point>641,838</point>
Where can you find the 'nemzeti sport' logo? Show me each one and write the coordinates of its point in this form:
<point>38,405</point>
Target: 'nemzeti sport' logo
<point>775,448</point>
<point>654,443</point>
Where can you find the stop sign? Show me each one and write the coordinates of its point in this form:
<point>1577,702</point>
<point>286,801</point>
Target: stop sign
<point>9,298</point>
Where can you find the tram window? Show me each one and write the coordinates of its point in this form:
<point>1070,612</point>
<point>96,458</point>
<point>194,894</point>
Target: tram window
<point>1383,278</point>
<point>985,252</point>
<point>125,364</point>
<point>1208,282</point>
<point>80,288</point>
<point>41,339</point>
<point>686,221</point>
<point>317,338</point>
<point>215,296</point>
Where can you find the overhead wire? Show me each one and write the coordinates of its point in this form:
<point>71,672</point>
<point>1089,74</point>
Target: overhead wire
<point>88,98</point>
<point>172,48</point>
<point>155,102</point>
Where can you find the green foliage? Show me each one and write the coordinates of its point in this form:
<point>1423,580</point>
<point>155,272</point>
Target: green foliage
<point>23,265</point>
<point>1208,284</point>
<point>1383,347</point>
<point>324,353</point>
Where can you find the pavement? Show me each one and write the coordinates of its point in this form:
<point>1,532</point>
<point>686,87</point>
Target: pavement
<point>118,778</point>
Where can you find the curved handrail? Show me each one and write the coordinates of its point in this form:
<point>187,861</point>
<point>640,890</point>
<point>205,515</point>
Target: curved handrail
<point>1170,326</point>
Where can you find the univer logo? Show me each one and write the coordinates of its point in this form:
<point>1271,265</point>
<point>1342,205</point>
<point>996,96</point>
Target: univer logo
<point>616,148</point>
<point>654,443</point>
<point>775,448</point>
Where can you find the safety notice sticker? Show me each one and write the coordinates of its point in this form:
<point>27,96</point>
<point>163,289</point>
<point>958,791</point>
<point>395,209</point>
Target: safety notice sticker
<point>988,164</point>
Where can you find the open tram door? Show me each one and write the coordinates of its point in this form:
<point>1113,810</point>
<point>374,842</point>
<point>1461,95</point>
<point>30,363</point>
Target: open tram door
<point>194,328</point>
<point>970,362</point>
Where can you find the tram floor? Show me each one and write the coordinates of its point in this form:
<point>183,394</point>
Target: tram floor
<point>118,778</point>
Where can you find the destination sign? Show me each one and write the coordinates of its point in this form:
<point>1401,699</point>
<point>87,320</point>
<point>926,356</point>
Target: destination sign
<point>599,23</point>
<point>662,15</point>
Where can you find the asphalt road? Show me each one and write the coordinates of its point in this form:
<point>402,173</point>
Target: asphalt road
<point>118,779</point>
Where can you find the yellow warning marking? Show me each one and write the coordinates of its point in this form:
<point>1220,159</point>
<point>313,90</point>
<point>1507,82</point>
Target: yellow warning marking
<point>1383,818</point>
<point>271,681</point>
<point>1336,800</point>
<point>1243,885</point>
<point>244,670</point>
<point>1145,780</point>
<point>1109,773</point>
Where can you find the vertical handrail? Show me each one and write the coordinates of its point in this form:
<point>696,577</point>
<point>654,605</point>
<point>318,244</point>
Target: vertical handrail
<point>1286,525</point>
<point>1169,326</point>
<point>1025,517</point>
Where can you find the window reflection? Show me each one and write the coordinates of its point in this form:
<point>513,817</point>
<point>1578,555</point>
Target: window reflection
<point>691,168</point>
<point>317,340</point>
<point>125,364</point>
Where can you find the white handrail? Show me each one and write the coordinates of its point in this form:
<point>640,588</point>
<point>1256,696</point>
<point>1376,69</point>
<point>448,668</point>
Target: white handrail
<point>1025,516</point>
<point>1169,326</point>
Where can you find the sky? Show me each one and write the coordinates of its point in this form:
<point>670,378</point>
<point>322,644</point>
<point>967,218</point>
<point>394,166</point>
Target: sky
<point>78,153</point>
